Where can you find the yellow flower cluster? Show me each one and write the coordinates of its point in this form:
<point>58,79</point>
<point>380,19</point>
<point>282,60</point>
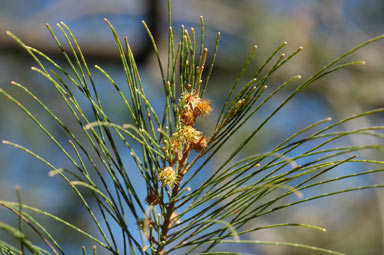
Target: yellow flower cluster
<point>187,138</point>
<point>168,176</point>
<point>187,135</point>
<point>194,106</point>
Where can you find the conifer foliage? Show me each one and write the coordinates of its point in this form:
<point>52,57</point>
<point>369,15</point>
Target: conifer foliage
<point>169,152</point>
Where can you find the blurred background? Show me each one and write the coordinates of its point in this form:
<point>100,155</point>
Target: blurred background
<point>325,28</point>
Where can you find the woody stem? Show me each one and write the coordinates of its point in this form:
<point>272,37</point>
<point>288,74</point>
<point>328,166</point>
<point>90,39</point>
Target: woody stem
<point>171,206</point>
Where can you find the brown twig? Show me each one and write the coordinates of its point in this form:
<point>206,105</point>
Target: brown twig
<point>171,206</point>
<point>33,227</point>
